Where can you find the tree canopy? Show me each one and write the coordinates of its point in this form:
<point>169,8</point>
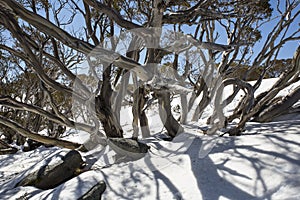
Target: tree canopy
<point>74,63</point>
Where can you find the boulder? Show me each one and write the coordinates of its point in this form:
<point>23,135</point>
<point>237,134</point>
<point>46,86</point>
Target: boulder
<point>95,192</point>
<point>50,176</point>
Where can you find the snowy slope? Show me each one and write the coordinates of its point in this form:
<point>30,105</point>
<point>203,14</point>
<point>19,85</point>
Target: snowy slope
<point>262,164</point>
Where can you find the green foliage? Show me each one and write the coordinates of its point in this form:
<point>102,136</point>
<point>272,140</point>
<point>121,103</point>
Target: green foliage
<point>251,34</point>
<point>279,66</point>
<point>36,4</point>
<point>264,8</point>
<point>276,68</point>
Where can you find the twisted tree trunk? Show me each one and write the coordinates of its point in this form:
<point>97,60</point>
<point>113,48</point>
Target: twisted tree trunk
<point>166,116</point>
<point>103,107</point>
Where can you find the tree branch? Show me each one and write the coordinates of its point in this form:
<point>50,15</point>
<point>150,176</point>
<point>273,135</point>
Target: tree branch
<point>39,138</point>
<point>189,16</point>
<point>112,14</point>
<point>9,102</point>
<point>45,26</point>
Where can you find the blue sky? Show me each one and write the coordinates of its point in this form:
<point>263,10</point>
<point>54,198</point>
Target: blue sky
<point>287,51</point>
<point>290,47</point>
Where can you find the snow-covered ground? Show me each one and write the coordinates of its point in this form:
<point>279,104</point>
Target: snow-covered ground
<point>264,163</point>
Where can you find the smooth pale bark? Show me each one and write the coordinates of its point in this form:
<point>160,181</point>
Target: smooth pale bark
<point>14,8</point>
<point>170,123</point>
<point>138,110</point>
<point>135,107</point>
<point>282,82</point>
<point>202,104</point>
<point>120,94</point>
<point>276,109</point>
<point>184,109</point>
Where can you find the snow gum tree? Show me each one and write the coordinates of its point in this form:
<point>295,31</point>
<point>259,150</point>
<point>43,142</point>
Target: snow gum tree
<point>168,48</point>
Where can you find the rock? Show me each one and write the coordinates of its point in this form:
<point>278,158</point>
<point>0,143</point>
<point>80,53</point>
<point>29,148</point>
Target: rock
<point>95,192</point>
<point>50,176</point>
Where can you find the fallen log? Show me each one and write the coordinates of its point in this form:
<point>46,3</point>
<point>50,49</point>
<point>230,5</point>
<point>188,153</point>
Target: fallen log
<point>6,148</point>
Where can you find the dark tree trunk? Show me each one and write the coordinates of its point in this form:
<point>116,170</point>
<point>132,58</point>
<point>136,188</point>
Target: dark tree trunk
<point>139,113</point>
<point>166,116</point>
<point>144,125</point>
<point>103,106</point>
<point>142,115</point>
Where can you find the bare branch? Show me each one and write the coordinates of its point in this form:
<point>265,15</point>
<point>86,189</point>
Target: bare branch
<point>39,138</point>
<point>112,14</point>
<point>190,15</point>
<point>9,102</point>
